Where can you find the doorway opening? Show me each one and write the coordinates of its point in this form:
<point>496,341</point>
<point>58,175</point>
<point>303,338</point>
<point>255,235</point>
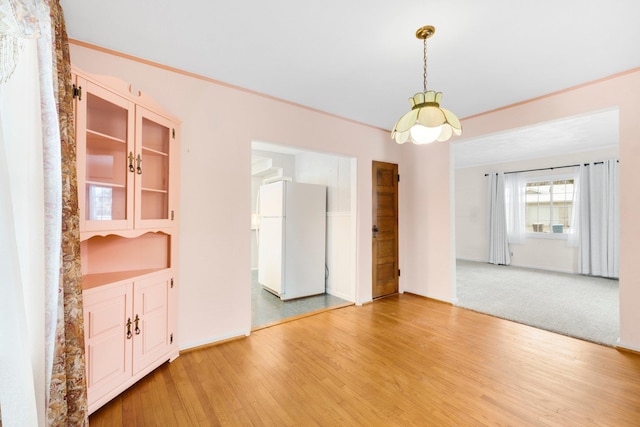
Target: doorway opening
<point>274,165</point>
<point>545,153</point>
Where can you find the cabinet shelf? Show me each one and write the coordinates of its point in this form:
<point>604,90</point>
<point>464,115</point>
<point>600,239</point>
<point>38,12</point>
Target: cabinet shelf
<point>152,151</point>
<point>155,190</point>
<point>94,136</point>
<point>105,184</point>
<point>90,281</point>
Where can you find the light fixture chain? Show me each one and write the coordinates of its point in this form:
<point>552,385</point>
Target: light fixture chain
<point>425,65</point>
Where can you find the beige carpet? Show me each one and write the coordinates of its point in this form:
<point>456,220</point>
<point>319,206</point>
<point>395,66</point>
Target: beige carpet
<point>584,307</point>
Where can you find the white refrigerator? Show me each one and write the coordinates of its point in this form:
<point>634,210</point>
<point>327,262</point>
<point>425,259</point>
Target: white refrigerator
<point>291,239</point>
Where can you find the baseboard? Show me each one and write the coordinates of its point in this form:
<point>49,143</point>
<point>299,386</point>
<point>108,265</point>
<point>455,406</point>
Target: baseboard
<point>415,294</point>
<point>631,349</point>
<point>532,267</point>
<point>554,270</point>
<point>472,260</point>
<point>558,270</point>
<point>338,294</point>
<point>211,341</point>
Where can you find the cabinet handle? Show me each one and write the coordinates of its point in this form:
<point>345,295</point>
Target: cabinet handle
<point>139,164</point>
<point>129,328</point>
<point>131,158</point>
<point>136,320</point>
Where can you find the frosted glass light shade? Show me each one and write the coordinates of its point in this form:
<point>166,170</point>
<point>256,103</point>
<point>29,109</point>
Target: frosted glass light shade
<point>419,134</point>
<point>427,121</point>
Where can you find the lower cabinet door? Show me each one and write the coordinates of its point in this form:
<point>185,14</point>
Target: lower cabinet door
<point>108,347</point>
<point>151,320</point>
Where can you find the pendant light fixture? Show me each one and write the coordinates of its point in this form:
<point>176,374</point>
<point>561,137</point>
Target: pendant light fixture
<point>427,121</point>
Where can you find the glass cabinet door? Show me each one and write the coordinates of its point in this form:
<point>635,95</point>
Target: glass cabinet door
<point>105,157</point>
<point>154,135</point>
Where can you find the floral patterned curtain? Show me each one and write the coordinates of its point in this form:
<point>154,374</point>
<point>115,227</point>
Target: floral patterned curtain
<point>67,403</point>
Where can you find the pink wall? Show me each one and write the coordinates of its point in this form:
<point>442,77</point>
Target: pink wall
<point>218,124</point>
<point>619,91</point>
<point>426,259</point>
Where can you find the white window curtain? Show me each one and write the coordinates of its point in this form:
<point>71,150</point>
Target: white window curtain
<point>515,187</point>
<point>573,238</point>
<point>21,246</point>
<point>599,219</point>
<point>498,240</point>
<point>30,211</point>
<point>19,21</point>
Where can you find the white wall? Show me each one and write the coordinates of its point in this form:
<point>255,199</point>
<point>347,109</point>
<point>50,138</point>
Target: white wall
<point>334,172</point>
<point>471,212</point>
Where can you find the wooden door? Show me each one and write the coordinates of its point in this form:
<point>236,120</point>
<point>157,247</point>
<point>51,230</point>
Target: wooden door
<point>385,229</point>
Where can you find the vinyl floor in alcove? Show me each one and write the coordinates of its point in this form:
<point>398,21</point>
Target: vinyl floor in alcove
<point>267,308</point>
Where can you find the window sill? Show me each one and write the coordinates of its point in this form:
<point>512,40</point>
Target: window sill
<point>552,236</point>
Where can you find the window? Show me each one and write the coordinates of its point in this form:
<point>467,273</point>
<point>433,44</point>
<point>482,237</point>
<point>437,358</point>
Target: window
<point>549,206</point>
<point>100,203</point>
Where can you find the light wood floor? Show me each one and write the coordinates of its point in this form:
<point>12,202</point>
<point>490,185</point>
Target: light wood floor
<point>403,360</point>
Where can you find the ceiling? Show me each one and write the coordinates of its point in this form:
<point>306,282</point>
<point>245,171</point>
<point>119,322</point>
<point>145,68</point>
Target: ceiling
<point>361,60</point>
<point>595,131</point>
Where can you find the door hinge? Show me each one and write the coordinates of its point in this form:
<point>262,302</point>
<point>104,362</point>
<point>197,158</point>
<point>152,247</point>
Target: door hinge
<point>172,215</point>
<point>77,92</point>
<point>398,272</point>
<point>398,177</point>
<point>172,283</point>
<point>171,339</point>
<point>173,133</point>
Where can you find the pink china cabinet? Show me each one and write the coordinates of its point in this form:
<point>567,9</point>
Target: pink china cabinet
<point>128,160</point>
